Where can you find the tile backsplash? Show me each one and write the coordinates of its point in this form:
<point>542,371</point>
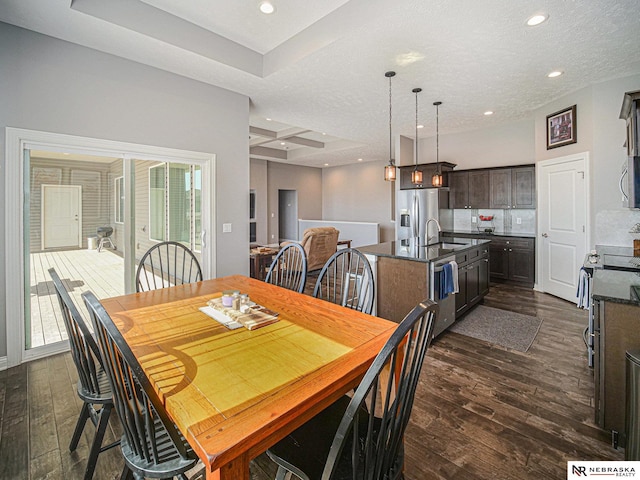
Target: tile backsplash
<point>511,221</point>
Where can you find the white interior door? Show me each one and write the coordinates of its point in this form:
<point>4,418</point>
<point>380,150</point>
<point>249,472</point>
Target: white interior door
<point>61,216</point>
<point>562,223</point>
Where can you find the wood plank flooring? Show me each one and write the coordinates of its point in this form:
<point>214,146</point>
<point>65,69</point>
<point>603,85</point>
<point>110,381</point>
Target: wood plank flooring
<point>481,411</point>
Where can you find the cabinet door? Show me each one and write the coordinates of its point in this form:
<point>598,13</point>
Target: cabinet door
<point>483,276</point>
<point>523,187</point>
<point>461,296</point>
<point>500,185</point>
<point>521,266</point>
<point>479,189</point>
<point>458,190</point>
<point>473,283</point>
<point>499,265</point>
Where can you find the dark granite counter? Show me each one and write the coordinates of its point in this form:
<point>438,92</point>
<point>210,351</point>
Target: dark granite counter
<point>494,234</point>
<point>411,249</point>
<point>616,286</point>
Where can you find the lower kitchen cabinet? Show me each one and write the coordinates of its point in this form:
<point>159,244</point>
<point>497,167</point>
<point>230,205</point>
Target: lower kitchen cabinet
<point>473,278</point>
<point>513,260</point>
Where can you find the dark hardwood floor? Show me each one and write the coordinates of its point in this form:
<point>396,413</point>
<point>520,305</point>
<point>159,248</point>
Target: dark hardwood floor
<point>481,411</point>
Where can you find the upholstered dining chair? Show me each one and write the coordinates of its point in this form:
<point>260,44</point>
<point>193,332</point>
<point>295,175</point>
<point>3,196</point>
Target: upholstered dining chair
<point>362,436</point>
<point>319,244</point>
<point>167,264</point>
<point>93,385</point>
<point>289,268</point>
<point>151,444</point>
<point>347,279</point>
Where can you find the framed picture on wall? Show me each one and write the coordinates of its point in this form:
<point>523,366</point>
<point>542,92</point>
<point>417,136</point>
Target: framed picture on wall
<point>561,128</point>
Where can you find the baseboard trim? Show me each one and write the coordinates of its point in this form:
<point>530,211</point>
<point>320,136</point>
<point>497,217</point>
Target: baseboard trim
<point>3,363</point>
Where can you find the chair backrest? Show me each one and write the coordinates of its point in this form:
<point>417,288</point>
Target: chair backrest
<point>84,350</point>
<point>347,279</point>
<point>165,265</point>
<point>144,420</point>
<point>381,405</point>
<point>319,244</point>
<point>289,268</point>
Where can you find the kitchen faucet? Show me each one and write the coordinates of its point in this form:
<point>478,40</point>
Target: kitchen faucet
<point>426,229</point>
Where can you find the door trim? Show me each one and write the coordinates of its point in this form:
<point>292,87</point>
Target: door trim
<point>585,157</point>
<point>16,141</point>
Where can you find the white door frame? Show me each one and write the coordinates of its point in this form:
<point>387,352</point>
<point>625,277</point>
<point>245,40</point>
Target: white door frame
<point>17,140</point>
<point>43,219</point>
<point>587,202</point>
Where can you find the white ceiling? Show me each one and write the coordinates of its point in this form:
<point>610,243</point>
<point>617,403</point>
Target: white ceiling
<point>318,67</point>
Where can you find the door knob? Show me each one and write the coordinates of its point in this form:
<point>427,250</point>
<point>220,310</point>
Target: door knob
<point>545,235</point>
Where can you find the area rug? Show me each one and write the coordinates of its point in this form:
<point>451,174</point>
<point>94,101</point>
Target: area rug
<point>500,327</point>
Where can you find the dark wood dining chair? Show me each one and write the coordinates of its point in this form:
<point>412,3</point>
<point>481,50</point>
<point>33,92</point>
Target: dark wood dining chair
<point>347,279</point>
<point>151,444</point>
<point>167,264</point>
<point>362,436</point>
<point>289,268</point>
<point>93,386</point>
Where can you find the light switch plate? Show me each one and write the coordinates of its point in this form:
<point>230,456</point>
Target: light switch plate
<point>474,220</point>
<point>518,221</point>
<point>226,228</point>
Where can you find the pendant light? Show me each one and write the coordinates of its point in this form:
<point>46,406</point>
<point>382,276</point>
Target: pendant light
<point>436,180</point>
<point>416,175</point>
<point>390,170</point>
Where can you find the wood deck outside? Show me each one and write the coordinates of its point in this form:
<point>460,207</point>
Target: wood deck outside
<point>80,270</point>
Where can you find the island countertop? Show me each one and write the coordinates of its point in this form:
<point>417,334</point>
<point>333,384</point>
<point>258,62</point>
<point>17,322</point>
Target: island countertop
<point>413,249</point>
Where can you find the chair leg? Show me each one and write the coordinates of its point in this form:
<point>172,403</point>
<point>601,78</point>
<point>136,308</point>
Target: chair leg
<point>82,420</point>
<point>283,474</point>
<point>126,474</point>
<point>96,446</point>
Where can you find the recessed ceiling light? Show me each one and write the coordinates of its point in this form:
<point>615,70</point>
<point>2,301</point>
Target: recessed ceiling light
<point>537,19</point>
<point>359,159</point>
<point>488,112</point>
<point>323,133</point>
<point>555,73</point>
<point>267,8</point>
<point>66,153</point>
<point>283,143</point>
<point>420,126</point>
<point>326,164</point>
<point>268,119</point>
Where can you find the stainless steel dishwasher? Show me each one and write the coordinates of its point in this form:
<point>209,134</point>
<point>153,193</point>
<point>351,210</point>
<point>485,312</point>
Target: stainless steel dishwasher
<point>447,310</point>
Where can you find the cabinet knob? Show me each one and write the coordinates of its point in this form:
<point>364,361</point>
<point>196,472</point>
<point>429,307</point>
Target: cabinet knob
<point>511,250</point>
<point>505,249</point>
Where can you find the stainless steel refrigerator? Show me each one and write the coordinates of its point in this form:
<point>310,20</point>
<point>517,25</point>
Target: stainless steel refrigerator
<point>415,208</point>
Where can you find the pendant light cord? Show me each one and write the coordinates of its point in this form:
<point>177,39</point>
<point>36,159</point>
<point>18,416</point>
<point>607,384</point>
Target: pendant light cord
<point>390,136</point>
<point>437,138</point>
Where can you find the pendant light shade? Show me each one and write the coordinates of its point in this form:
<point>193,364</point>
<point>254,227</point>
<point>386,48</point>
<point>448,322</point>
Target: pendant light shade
<point>390,169</point>
<point>416,175</point>
<point>436,180</point>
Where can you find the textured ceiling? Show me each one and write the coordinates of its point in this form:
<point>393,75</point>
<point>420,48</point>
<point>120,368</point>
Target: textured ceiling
<point>319,66</point>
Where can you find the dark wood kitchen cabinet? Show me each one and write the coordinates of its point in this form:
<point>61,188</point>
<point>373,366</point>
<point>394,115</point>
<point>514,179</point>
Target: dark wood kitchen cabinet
<point>469,189</point>
<point>513,187</point>
<point>473,278</point>
<point>513,260</point>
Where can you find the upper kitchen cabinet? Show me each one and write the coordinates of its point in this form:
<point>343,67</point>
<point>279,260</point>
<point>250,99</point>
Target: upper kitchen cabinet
<point>469,189</point>
<point>513,187</point>
<point>427,169</point>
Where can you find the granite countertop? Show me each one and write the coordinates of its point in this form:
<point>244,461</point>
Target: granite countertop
<point>411,249</point>
<point>616,286</point>
<point>494,234</point>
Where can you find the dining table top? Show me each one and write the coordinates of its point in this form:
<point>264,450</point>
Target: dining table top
<point>234,393</point>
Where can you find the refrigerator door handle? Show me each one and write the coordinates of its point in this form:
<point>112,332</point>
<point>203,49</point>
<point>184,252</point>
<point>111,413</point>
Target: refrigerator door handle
<point>416,215</point>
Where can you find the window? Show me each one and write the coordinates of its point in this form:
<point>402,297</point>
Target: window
<point>175,204</point>
<point>119,194</point>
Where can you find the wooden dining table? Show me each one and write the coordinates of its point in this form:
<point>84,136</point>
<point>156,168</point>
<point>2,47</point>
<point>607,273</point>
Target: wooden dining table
<point>234,393</point>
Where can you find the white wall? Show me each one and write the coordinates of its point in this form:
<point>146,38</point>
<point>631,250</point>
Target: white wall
<point>359,193</point>
<point>307,181</point>
<point>54,86</point>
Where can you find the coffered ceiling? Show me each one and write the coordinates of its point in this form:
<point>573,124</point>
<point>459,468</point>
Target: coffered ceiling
<point>316,69</point>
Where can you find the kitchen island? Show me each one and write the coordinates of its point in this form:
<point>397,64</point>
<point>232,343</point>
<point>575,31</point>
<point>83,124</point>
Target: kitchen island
<point>616,316</point>
<point>406,273</point>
